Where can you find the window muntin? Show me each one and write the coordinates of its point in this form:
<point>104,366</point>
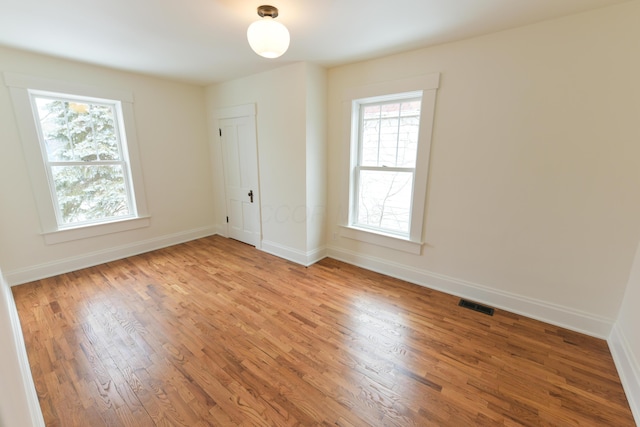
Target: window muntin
<point>387,132</point>
<point>83,146</point>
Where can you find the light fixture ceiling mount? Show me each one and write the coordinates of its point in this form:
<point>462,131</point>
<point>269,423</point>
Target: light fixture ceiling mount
<point>267,37</point>
<point>266,10</point>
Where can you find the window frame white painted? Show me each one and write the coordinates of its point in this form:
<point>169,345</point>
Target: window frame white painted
<point>357,123</point>
<point>122,161</point>
<point>20,87</point>
<point>427,85</point>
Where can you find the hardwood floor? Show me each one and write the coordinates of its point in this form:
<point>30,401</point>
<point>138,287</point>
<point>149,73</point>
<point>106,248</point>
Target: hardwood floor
<point>214,332</point>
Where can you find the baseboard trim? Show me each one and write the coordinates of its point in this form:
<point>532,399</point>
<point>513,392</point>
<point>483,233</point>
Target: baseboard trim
<point>628,368</point>
<point>67,265</point>
<point>596,326</point>
<point>294,255</point>
<point>30,395</point>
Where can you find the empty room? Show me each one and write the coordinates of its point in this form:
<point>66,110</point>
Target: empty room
<point>320,212</point>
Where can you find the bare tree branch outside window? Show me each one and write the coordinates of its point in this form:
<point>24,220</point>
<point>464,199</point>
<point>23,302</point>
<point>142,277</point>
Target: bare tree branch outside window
<point>387,155</point>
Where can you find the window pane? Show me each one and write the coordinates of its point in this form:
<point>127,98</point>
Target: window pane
<point>388,142</point>
<point>411,108</point>
<point>77,131</point>
<point>390,110</point>
<point>104,132</point>
<point>87,193</point>
<point>53,118</point>
<point>389,134</point>
<point>408,142</point>
<point>384,200</point>
<point>370,142</point>
<point>371,111</point>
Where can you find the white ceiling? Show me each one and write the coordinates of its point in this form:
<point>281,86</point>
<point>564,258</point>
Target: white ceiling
<point>204,41</point>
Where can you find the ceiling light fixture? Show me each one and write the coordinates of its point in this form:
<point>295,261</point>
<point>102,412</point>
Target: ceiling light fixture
<point>267,37</point>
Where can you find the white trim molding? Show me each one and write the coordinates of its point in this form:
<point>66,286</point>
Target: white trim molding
<point>21,89</point>
<point>554,314</point>
<point>423,87</point>
<point>76,233</point>
<point>628,368</point>
<point>235,111</point>
<point>29,411</point>
<point>375,238</point>
<point>91,259</point>
<point>294,255</point>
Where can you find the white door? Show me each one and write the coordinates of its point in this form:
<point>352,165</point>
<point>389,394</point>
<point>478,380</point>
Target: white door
<point>240,163</point>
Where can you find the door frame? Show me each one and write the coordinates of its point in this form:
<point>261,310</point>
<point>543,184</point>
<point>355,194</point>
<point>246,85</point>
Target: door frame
<point>245,110</point>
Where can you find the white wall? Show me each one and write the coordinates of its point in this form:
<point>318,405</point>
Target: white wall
<point>288,133</point>
<point>625,339</point>
<point>316,156</point>
<point>532,202</point>
<point>18,400</point>
<point>173,144</point>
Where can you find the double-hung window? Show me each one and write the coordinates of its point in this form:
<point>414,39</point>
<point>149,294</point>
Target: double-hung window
<point>80,147</point>
<point>385,167</point>
<point>389,159</point>
<point>84,153</point>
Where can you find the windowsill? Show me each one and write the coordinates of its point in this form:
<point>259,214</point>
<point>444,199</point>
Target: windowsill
<point>385,240</point>
<point>69,234</point>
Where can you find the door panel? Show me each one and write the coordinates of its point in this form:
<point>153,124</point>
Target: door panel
<point>240,157</point>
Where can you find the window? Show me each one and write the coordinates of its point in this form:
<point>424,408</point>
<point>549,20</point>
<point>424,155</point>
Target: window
<point>83,149</point>
<point>384,170</point>
<point>80,147</point>
<point>390,142</point>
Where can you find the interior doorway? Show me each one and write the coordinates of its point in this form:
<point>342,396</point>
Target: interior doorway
<point>237,130</point>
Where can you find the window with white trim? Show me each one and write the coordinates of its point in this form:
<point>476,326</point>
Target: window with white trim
<point>81,151</point>
<point>385,164</point>
<point>390,140</point>
<point>84,152</point>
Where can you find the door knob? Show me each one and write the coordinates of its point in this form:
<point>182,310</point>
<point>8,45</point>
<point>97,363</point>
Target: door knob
<point>250,195</point>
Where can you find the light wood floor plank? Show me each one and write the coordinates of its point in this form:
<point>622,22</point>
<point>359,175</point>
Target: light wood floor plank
<point>214,333</point>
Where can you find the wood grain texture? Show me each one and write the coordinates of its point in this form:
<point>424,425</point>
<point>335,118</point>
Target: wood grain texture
<point>216,333</point>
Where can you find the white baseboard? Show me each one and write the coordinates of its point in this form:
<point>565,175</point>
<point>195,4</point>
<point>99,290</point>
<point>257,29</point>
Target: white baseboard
<point>90,259</point>
<point>628,368</point>
<point>541,310</point>
<point>30,411</point>
<point>221,229</point>
<point>294,255</point>
<point>554,314</point>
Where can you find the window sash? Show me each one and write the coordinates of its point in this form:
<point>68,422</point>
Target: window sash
<point>380,118</point>
<point>125,198</point>
<point>382,206</point>
<point>113,106</point>
<point>120,142</point>
<point>360,165</point>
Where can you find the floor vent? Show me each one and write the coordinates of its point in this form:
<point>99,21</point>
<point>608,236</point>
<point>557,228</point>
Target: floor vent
<point>475,306</point>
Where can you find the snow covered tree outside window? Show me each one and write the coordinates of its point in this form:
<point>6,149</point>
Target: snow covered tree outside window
<point>385,170</point>
<point>82,147</point>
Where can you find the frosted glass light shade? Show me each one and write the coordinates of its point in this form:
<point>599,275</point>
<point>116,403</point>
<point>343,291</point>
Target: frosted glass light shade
<point>268,38</point>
